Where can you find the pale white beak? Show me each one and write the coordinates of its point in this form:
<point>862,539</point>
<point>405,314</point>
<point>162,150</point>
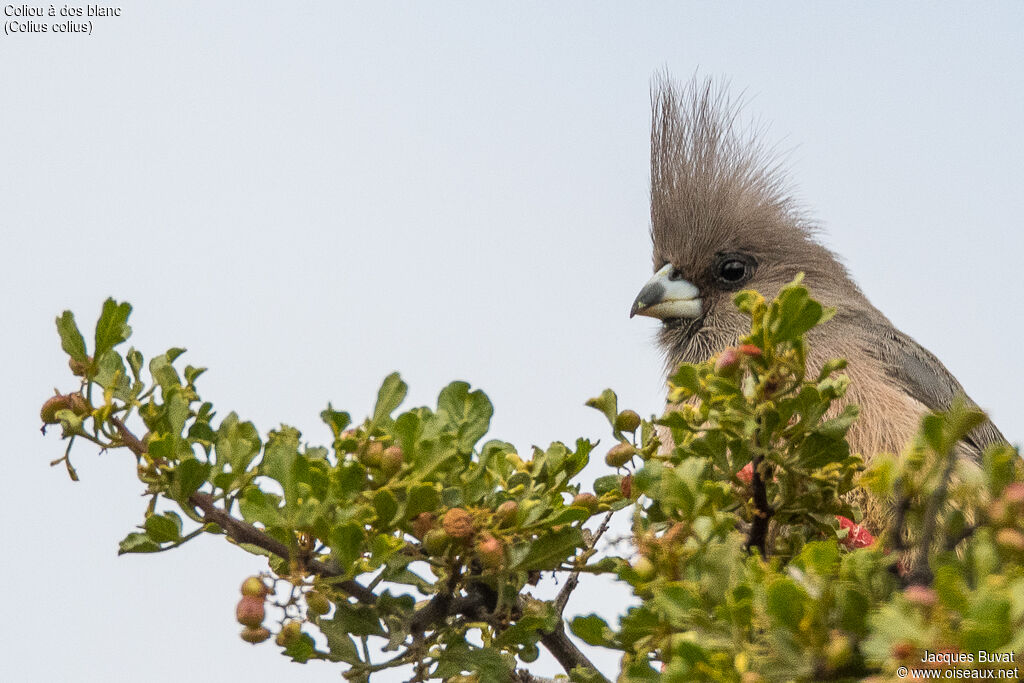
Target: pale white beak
<point>664,298</point>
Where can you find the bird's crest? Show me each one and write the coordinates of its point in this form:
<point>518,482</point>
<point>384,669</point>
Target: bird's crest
<point>708,172</point>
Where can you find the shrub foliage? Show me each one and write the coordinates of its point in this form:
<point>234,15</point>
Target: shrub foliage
<point>410,542</point>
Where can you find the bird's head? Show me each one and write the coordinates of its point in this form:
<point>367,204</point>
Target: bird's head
<point>721,221</point>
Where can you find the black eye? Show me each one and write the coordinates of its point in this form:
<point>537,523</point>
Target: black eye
<point>732,270</point>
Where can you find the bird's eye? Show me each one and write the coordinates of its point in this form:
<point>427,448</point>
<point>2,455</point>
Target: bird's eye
<point>732,270</point>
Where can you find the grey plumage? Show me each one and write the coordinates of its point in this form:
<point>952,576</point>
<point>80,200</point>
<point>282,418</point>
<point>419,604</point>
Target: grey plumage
<point>722,220</point>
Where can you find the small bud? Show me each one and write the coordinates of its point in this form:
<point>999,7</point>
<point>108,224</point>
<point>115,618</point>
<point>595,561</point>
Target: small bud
<point>254,635</point>
<point>490,551</point>
<point>746,475</point>
<point>921,596</point>
<point>423,523</point>
<point>253,587</point>
<point>1010,539</point>
<point>506,513</point>
<point>644,568</point>
<point>79,368</point>
<point>458,524</point>
<point>627,421</point>
<point>619,455</point>
<point>588,501</point>
<point>249,611</point>
<point>626,487</point>
<point>902,650</point>
<point>749,350</point>
<point>838,650</point>
<point>1014,494</point>
<point>998,512</point>
<point>317,603</point>
<point>728,362</point>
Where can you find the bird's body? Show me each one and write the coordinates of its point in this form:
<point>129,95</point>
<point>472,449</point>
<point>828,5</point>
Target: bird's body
<point>721,221</point>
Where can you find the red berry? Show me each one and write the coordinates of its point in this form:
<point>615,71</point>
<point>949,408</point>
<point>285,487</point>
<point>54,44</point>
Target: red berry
<point>250,611</point>
<point>856,536</point>
<point>490,551</point>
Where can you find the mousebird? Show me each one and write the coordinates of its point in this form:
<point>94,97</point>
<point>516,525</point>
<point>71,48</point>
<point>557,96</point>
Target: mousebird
<point>722,221</point>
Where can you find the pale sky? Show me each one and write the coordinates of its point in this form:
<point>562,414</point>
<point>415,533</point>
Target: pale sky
<point>310,195</point>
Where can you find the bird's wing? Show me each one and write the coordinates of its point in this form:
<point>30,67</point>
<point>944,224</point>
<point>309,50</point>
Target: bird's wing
<point>923,376</point>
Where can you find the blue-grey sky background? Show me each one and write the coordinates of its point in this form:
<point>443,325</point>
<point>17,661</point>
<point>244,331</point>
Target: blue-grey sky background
<point>310,195</point>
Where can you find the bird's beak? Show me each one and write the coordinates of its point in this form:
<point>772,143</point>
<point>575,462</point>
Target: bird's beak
<point>663,298</point>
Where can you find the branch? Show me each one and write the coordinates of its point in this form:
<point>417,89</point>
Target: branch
<point>574,579</point>
<point>243,532</point>
<point>565,651</point>
<point>758,536</point>
<point>922,573</point>
<point>441,606</point>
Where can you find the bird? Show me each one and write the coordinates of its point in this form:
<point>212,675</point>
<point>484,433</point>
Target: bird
<point>723,219</point>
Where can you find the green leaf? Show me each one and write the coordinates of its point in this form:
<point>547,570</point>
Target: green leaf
<point>607,483</point>
<point>339,643</point>
<point>459,656</point>
<point>301,650</point>
<point>607,403</point>
<point>258,506</point>
<point>280,459</point>
<point>392,393</point>
<point>189,475</point>
<point>71,340</point>
<point>470,412</point>
<point>135,361</point>
<point>162,369</point>
<point>137,543</point>
<point>422,498</point>
<point>165,528</point>
<point>346,543</point>
<point>784,601</point>
<point>548,552</point>
<point>112,327</point>
<point>593,630</point>
<point>386,506</point>
<point>336,420</point>
<point>356,620</point>
<point>236,444</point>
